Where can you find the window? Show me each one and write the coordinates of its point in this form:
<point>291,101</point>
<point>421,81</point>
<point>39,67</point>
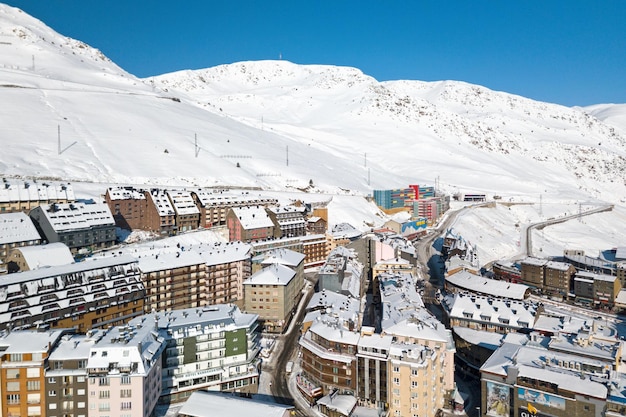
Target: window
<point>396,369</point>
<point>396,381</point>
<point>13,398</point>
<point>13,373</point>
<point>125,380</point>
<point>125,393</point>
<point>32,372</point>
<point>52,393</point>
<point>104,381</point>
<point>104,407</point>
<point>126,405</point>
<point>15,357</point>
<point>33,385</point>
<point>105,394</point>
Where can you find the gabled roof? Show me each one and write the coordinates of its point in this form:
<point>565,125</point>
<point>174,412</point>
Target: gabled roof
<point>183,202</point>
<point>275,274</point>
<point>17,227</point>
<point>75,216</point>
<point>253,217</point>
<point>475,283</point>
<point>283,256</point>
<point>46,255</point>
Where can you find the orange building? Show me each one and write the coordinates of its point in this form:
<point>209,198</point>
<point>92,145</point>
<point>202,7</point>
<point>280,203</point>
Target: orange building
<point>23,362</point>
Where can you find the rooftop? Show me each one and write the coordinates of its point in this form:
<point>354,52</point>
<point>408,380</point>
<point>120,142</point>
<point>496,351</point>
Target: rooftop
<point>17,227</point>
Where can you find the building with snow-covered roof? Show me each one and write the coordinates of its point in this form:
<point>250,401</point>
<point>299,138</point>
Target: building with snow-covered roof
<point>173,280</point>
<point>523,380</point>
<point>249,224</point>
<point>507,271</point>
<point>316,225</point>
<point>342,273</point>
<point>24,360</point>
<point>84,295</point>
<point>66,375</point>
<point>214,404</point>
<point>210,348</point>
<point>214,204</point>
<point>228,265</point>
<point>187,213</point>
<point>128,206</point>
<point>466,281</point>
<point>558,278</point>
<point>78,225</point>
<point>273,293</point>
<point>32,257</point>
<point>25,196</point>
<point>125,363</point>
<point>347,309</point>
<point>596,289</point>
<point>533,271</point>
<point>394,265</point>
<point>500,315</point>
<point>16,230</point>
<point>316,249</point>
<point>160,214</point>
<point>289,221</point>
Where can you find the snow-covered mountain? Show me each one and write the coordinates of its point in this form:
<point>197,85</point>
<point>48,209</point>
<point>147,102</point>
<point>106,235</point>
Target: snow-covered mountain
<point>72,114</point>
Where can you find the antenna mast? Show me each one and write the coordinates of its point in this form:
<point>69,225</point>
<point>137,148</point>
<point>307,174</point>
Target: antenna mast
<point>287,155</point>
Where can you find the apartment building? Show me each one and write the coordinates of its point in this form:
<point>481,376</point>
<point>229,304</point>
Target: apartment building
<point>23,363</point>
<point>160,214</point>
<point>187,213</point>
<point>16,230</point>
<point>32,257</point>
<point>273,294</point>
<point>25,196</point>
<point>128,207</point>
<point>316,248</point>
<point>289,221</point>
<point>249,224</point>
<point>124,371</point>
<point>558,278</point>
<point>173,280</point>
<point>212,348</point>
<point>84,295</point>
<point>215,204</point>
<point>228,265</point>
<point>77,225</point>
<point>66,376</point>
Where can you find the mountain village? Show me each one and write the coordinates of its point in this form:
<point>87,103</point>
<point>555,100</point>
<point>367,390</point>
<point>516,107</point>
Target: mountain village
<point>271,239</point>
<point>204,300</point>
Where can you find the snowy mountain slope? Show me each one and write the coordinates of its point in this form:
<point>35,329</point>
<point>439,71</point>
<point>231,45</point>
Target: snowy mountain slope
<point>278,125</point>
<point>452,130</point>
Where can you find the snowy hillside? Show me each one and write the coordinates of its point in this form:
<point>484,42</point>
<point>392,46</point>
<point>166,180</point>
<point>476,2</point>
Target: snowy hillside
<point>71,114</point>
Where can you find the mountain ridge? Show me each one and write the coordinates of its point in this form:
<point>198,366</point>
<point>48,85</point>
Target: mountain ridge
<point>281,126</point>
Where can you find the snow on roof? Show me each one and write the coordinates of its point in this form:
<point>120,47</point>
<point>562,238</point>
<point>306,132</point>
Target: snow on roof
<point>190,322</point>
<point>512,313</point>
<point>283,256</point>
<point>332,304</point>
<point>376,340</point>
<point>218,404</point>
<point>170,260</point>
<point>566,381</point>
<point>274,274</point>
<point>183,202</point>
<point>288,209</point>
<point>346,231</point>
<point>560,266</point>
<point>221,253</point>
<point>229,198</point>
<point>534,261</point>
<point>17,227</point>
<point>74,216</point>
<point>253,217</point>
<point>343,404</point>
<point>72,347</point>
<point>125,193</point>
<point>559,324</point>
<point>620,253</point>
<point>546,365</point>
<point>483,338</point>
<point>51,271</point>
<point>586,345</point>
<point>26,341</point>
<point>329,329</point>
<point>46,255</point>
<point>161,202</point>
<point>126,345</point>
<point>582,275</point>
<point>475,283</point>
<point>10,192</point>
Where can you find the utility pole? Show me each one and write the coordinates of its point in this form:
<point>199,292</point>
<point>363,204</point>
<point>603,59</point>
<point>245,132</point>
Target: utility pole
<point>540,205</point>
<point>365,159</point>
<point>368,176</point>
<point>287,155</point>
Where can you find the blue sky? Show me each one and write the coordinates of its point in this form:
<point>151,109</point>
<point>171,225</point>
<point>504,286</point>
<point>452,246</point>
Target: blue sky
<point>571,52</point>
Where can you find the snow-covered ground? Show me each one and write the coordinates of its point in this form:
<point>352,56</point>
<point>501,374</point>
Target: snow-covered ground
<point>70,114</point>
